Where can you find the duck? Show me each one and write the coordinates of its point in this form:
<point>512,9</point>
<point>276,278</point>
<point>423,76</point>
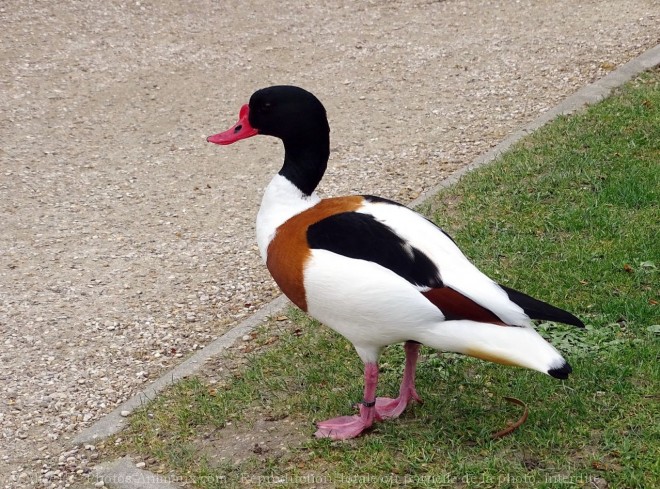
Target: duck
<point>377,272</point>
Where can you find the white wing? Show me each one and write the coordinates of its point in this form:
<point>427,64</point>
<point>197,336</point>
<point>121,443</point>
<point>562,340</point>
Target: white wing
<point>456,271</point>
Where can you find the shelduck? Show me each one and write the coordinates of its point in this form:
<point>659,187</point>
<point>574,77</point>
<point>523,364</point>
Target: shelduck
<point>375,271</point>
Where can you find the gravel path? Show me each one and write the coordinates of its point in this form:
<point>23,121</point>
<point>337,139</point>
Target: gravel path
<point>127,241</point>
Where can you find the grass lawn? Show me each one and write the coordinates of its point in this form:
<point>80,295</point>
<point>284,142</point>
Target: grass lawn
<point>571,215</point>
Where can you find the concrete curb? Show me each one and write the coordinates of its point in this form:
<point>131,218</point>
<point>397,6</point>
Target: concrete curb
<point>114,422</point>
<point>123,474</point>
<point>588,95</point>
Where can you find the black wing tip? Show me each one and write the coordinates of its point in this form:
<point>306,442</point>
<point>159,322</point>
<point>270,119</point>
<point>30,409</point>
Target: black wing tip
<point>561,372</point>
<point>575,321</point>
<point>561,316</point>
<point>537,309</point>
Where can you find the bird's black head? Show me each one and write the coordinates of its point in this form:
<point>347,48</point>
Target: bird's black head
<point>287,112</point>
<point>290,113</point>
<point>295,116</point>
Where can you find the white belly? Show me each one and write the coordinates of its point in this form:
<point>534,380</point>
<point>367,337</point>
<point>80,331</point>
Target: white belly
<point>368,304</point>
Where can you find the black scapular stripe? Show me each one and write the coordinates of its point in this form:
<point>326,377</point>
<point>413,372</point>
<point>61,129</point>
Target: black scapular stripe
<point>537,309</point>
<point>363,237</point>
<point>382,200</point>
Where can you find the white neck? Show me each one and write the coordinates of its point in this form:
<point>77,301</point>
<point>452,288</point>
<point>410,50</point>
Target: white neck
<point>281,201</point>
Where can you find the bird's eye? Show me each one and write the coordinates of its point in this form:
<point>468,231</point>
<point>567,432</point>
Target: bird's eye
<point>265,107</point>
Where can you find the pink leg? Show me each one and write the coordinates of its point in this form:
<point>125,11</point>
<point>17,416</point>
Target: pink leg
<point>345,427</point>
<point>392,408</point>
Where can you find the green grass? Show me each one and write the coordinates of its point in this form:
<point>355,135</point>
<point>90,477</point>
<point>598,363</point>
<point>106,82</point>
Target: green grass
<point>570,215</point>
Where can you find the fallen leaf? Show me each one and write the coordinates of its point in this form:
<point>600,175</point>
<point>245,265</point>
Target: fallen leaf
<point>271,340</point>
<point>512,427</point>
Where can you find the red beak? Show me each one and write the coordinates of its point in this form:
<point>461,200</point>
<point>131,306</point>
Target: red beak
<point>241,130</point>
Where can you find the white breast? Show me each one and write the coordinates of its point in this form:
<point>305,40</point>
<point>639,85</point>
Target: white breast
<point>281,201</point>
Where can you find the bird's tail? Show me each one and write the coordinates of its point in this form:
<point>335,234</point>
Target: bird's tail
<point>509,345</point>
